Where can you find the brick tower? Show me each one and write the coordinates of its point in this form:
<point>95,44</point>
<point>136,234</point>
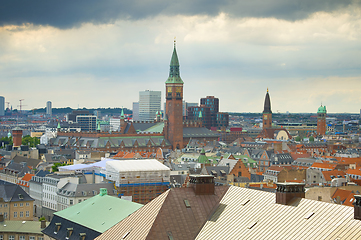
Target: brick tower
<point>321,120</point>
<point>174,101</point>
<point>17,137</point>
<point>267,113</point>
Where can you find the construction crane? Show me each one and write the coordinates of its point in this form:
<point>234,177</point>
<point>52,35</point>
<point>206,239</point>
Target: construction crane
<point>21,105</point>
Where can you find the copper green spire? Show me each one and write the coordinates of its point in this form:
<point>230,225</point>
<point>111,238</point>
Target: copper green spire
<point>200,114</point>
<point>174,75</point>
<point>58,127</point>
<point>122,114</point>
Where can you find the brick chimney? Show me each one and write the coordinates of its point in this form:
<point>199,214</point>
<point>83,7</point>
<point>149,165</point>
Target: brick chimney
<point>357,207</point>
<point>202,184</point>
<point>288,191</point>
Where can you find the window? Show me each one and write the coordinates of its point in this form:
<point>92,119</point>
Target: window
<point>15,214</point>
<point>11,237</point>
<point>27,204</point>
<point>1,205</point>
<point>1,237</point>
<point>21,237</point>
<point>21,214</point>
<point>79,201</point>
<point>31,238</point>
<point>15,204</point>
<point>5,215</point>
<point>21,204</point>
<point>40,238</point>
<point>27,214</point>
<point>71,202</point>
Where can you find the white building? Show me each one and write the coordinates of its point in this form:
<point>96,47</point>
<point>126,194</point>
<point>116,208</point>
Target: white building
<point>149,104</point>
<point>136,171</point>
<point>114,124</point>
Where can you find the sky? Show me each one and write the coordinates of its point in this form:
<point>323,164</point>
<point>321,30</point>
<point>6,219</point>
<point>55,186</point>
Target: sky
<point>92,53</point>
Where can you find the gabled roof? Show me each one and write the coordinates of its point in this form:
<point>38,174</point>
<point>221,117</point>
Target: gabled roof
<point>250,214</point>
<point>29,161</point>
<point>13,193</point>
<point>343,197</point>
<point>168,216</point>
<point>324,165</point>
<point>99,213</point>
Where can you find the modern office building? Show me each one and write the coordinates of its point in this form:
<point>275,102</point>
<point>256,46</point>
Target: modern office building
<point>135,111</point>
<point>213,104</point>
<point>186,105</point>
<point>149,104</point>
<point>87,122</point>
<point>2,106</point>
<point>48,108</point>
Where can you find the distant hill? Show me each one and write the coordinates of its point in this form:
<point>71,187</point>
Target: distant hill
<point>110,111</point>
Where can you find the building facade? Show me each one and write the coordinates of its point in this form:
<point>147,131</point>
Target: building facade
<point>213,104</point>
<point>135,111</point>
<point>87,123</point>
<point>48,108</point>
<point>149,104</point>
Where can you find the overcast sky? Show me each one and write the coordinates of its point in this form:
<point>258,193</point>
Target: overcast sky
<point>91,53</point>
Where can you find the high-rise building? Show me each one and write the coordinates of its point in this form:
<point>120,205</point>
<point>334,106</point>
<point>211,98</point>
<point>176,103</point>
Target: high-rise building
<point>2,106</point>
<point>321,120</point>
<point>186,105</point>
<point>135,111</point>
<point>174,101</point>
<point>213,104</point>
<point>193,114</point>
<point>267,113</point>
<point>149,104</point>
<point>48,108</point>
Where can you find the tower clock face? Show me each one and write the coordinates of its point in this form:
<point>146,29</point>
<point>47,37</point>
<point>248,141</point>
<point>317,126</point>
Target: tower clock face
<point>265,117</point>
<point>169,89</point>
<point>178,90</point>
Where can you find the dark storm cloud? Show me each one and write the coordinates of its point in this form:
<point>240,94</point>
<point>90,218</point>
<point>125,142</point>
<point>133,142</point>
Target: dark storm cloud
<point>69,13</point>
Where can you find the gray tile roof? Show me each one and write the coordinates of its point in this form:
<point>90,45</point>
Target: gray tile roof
<point>194,132</point>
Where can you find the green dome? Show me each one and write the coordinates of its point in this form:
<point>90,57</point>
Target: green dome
<point>321,109</point>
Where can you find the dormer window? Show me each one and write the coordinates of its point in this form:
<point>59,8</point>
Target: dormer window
<point>57,228</point>
<point>69,231</point>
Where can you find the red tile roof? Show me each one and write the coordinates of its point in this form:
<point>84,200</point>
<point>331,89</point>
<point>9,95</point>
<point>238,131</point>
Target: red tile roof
<point>327,174</point>
<point>354,172</point>
<point>27,177</point>
<point>344,196</point>
<point>324,165</point>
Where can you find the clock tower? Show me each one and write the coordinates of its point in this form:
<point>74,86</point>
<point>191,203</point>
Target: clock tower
<point>267,113</point>
<point>174,101</point>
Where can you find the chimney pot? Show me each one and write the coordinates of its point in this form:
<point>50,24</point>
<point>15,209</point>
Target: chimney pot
<point>357,207</point>
<point>43,224</point>
<point>287,191</point>
<point>202,184</point>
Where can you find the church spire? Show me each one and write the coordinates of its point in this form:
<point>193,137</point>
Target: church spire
<point>267,104</point>
<point>174,75</point>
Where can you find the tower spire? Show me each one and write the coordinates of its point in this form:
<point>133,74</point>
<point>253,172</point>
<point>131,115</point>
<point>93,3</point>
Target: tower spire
<point>174,74</point>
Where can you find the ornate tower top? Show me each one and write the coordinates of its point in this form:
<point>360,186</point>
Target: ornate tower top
<point>174,75</point>
<point>267,104</point>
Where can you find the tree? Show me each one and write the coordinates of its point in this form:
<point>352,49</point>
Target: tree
<point>31,141</point>
<point>312,139</point>
<point>7,141</point>
<point>298,139</point>
<point>56,166</point>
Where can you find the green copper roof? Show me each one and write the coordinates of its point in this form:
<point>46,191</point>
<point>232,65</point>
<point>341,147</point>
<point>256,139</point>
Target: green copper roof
<point>122,114</point>
<point>321,109</point>
<point>200,114</point>
<point>9,134</point>
<point>203,158</point>
<point>98,128</point>
<point>174,75</point>
<point>21,227</point>
<point>58,126</point>
<point>99,212</point>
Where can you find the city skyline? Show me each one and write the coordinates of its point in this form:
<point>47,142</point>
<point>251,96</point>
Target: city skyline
<point>306,54</point>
